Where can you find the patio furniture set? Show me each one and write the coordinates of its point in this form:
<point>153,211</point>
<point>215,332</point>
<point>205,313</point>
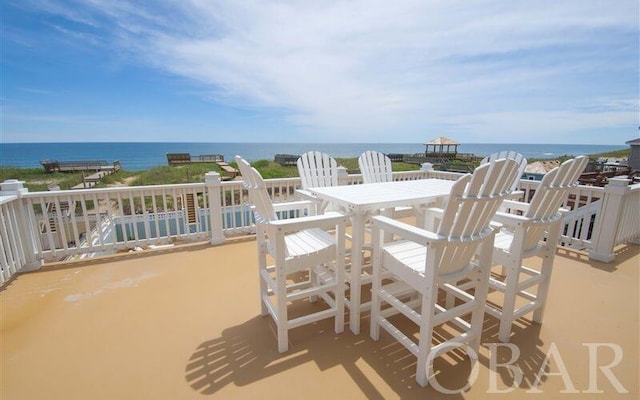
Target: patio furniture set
<point>436,272</point>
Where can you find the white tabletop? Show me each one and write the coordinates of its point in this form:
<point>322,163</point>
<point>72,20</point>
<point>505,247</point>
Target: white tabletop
<point>370,196</point>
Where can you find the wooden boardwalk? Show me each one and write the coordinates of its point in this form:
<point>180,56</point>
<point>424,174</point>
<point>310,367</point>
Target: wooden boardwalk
<point>80,165</point>
<point>186,158</point>
<point>286,159</point>
<point>229,172</point>
<point>218,159</point>
<point>91,180</point>
<point>98,169</point>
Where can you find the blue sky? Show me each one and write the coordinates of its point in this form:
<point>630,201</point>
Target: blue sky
<point>328,71</point>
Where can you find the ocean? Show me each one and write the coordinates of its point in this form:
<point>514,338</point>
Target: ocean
<point>139,156</point>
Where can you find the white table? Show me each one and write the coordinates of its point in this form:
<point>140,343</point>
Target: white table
<point>363,200</point>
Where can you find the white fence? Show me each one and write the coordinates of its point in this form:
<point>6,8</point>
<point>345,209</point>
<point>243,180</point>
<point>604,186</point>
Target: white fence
<point>45,226</point>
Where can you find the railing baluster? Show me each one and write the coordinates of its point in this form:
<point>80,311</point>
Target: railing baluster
<point>74,227</point>
<point>110,216</point>
<point>47,226</point>
<point>145,218</point>
<point>14,230</point>
<point>87,225</point>
<point>8,259</point>
<point>155,213</point>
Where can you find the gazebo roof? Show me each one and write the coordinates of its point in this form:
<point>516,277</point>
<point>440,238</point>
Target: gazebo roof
<point>442,141</point>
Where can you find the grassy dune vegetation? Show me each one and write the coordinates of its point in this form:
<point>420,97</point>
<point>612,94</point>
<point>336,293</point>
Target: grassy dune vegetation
<point>37,180</point>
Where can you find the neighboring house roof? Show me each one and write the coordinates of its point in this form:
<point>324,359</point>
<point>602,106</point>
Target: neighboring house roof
<point>634,142</point>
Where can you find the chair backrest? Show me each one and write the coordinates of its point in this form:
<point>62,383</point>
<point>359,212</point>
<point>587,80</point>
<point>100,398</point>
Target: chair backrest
<point>513,155</point>
<point>472,203</point>
<point>317,169</point>
<point>258,196</point>
<point>375,167</point>
<point>549,196</point>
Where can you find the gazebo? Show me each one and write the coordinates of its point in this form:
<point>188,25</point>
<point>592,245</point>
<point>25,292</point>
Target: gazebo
<point>439,145</point>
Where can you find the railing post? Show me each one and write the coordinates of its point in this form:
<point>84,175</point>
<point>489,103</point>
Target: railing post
<point>343,175</point>
<point>605,229</point>
<point>14,187</point>
<point>427,169</point>
<point>214,193</point>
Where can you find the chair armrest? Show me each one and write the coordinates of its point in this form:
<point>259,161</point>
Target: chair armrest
<point>406,231</point>
<point>327,220</point>
<point>515,205</point>
<point>292,205</point>
<point>516,194</point>
<point>510,220</point>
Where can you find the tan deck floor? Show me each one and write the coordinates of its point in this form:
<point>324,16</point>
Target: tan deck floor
<point>185,324</point>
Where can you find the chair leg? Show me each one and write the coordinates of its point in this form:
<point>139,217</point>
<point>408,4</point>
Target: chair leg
<point>543,286</point>
<point>339,320</point>
<point>480,294</point>
<point>509,301</point>
<point>548,256</point>
<point>262,266</point>
<point>314,281</point>
<point>426,333</point>
<point>376,283</point>
<point>340,279</point>
<point>282,322</point>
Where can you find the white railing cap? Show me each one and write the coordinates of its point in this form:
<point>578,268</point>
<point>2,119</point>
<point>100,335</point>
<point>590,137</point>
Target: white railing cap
<point>12,187</point>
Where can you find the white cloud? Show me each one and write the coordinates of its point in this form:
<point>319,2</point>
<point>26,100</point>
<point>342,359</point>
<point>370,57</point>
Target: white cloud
<point>367,68</point>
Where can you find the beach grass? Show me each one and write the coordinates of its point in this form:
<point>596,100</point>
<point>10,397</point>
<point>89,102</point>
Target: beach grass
<point>36,179</point>
<point>271,169</point>
<point>352,164</point>
<point>167,175</point>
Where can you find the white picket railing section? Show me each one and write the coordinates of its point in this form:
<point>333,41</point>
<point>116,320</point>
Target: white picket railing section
<point>45,226</point>
<point>583,204</point>
<point>12,245</point>
<point>627,229</point>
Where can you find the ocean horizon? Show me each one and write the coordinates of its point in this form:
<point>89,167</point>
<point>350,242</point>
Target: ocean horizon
<point>135,156</point>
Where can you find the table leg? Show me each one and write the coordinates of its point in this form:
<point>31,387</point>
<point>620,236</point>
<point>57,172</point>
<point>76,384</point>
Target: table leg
<point>356,271</point>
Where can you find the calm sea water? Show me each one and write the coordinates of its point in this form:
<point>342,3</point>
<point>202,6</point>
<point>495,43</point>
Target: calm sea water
<point>138,156</point>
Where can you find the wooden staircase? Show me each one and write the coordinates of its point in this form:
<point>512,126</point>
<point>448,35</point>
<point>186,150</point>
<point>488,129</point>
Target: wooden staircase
<point>190,208</point>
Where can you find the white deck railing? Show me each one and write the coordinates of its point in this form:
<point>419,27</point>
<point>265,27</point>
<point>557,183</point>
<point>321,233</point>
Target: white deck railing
<point>45,226</point>
<point>13,255</point>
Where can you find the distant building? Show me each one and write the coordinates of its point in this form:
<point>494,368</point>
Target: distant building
<point>442,147</point>
<point>634,157</point>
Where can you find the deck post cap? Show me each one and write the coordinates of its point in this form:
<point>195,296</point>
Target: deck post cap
<point>212,177</point>
<point>426,166</point>
<point>12,187</point>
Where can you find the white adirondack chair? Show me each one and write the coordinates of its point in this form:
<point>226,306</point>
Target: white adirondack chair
<point>513,155</point>
<point>296,245</point>
<point>534,232</point>
<point>316,169</point>
<point>429,261</point>
<point>376,167</point>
